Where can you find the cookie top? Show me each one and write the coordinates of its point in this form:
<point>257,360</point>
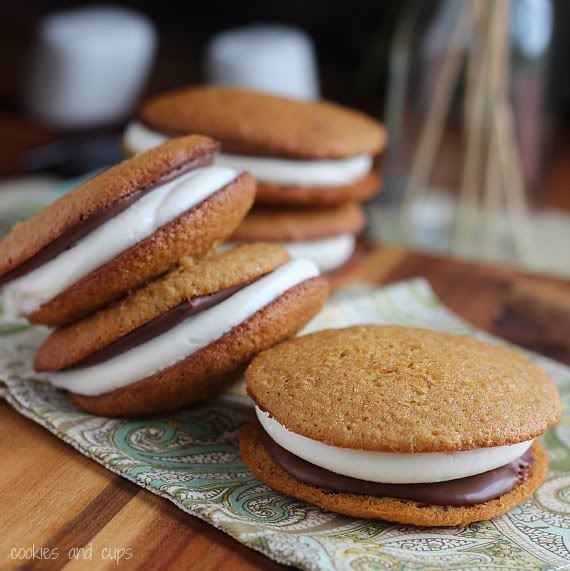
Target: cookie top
<point>299,225</point>
<point>92,200</point>
<point>248,122</point>
<point>400,389</point>
<point>238,266</point>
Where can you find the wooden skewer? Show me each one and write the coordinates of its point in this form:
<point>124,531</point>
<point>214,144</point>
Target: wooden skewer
<point>479,14</point>
<point>475,128</point>
<point>511,169</point>
<point>491,199</point>
<point>432,132</point>
<point>512,179</point>
<point>489,124</point>
<point>496,92</point>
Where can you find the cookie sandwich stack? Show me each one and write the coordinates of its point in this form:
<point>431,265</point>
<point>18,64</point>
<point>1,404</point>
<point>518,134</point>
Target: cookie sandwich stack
<point>149,317</point>
<point>119,229</point>
<point>401,424</point>
<point>314,163</point>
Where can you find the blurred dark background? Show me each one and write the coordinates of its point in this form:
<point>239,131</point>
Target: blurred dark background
<point>353,42</point>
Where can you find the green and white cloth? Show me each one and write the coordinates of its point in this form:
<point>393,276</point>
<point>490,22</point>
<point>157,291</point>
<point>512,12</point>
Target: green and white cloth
<point>192,458</point>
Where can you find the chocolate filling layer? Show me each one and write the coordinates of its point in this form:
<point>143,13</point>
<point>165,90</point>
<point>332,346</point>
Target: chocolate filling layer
<point>461,492</point>
<point>158,325</point>
<point>87,225</point>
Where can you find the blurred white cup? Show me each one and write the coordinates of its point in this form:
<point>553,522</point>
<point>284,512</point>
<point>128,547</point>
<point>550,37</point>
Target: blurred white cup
<point>271,58</point>
<point>89,66</point>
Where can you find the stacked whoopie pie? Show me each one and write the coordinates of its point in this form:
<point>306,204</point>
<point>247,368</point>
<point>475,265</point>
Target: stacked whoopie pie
<point>401,424</point>
<point>149,316</point>
<point>314,163</point>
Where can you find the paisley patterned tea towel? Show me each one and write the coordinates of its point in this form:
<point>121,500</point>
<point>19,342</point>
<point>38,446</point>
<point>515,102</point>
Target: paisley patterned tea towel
<point>192,458</point>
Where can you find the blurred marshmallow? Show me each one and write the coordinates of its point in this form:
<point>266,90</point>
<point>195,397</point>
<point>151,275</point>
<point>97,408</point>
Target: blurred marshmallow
<point>89,66</point>
<point>275,59</point>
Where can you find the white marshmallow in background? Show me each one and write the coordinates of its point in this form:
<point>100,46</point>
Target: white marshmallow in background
<point>271,58</point>
<point>89,66</point>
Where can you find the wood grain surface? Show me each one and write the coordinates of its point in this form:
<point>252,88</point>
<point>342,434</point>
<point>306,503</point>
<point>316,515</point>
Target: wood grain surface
<point>53,497</point>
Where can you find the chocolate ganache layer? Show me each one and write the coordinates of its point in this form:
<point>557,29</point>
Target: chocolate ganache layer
<point>461,492</point>
<point>158,325</point>
<point>87,225</point>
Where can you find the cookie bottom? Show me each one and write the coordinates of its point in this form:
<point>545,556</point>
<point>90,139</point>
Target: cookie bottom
<point>349,271</point>
<point>207,372</point>
<point>389,509</point>
<point>318,196</point>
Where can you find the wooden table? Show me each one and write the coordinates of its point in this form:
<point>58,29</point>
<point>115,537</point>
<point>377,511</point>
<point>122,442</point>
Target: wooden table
<point>52,496</point>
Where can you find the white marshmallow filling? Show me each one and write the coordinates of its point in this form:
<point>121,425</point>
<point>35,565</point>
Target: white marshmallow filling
<point>321,172</point>
<point>140,220</point>
<point>389,467</point>
<point>186,338</point>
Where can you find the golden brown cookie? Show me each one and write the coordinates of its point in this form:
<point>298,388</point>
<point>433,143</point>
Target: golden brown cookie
<point>326,237</point>
<point>268,471</point>
<point>67,346</point>
<point>289,225</point>
<point>303,154</point>
<point>114,363</point>
<point>248,122</point>
<point>397,423</point>
<point>27,239</point>
<point>400,389</point>
<point>75,216</point>
<point>206,373</point>
<point>318,196</point>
